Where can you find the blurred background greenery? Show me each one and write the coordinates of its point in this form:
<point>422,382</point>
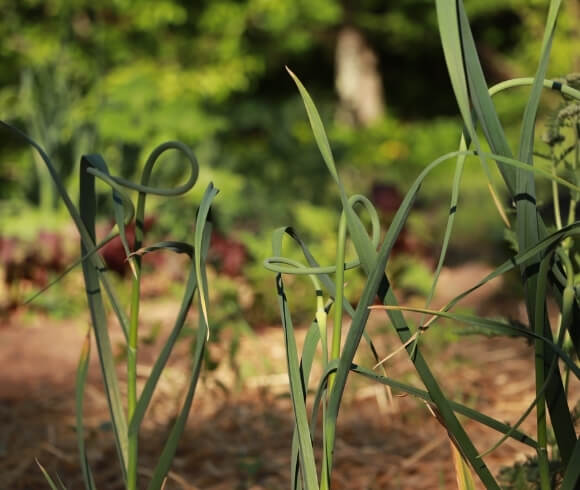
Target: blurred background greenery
<point>118,77</point>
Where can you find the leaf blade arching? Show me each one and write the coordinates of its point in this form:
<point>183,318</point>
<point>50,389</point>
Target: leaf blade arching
<point>200,222</point>
<point>305,442</point>
<point>377,283</point>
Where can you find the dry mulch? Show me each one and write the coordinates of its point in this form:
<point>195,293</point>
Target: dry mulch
<point>240,428</point>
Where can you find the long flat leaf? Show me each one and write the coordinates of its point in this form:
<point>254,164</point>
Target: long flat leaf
<point>53,485</point>
<point>170,447</point>
<point>168,453</point>
<point>378,284</point>
<point>163,357</point>
<point>202,216</point>
<point>81,380</point>
<point>572,474</point>
<point>306,452</point>
<point>528,224</point>
<point>306,360</point>
<point>494,326</point>
<point>87,206</point>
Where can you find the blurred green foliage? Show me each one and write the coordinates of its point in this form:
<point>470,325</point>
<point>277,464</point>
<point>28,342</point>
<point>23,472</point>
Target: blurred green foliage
<point>118,77</point>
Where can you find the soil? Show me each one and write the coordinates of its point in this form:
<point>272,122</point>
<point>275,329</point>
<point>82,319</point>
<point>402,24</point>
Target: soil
<point>240,428</point>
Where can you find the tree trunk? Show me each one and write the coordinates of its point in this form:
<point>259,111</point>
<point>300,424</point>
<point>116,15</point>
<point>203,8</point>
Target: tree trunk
<point>358,81</point>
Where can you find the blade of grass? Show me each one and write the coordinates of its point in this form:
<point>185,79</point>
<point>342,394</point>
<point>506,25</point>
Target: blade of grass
<point>306,361</point>
<point>366,254</point>
<point>135,262</point>
<point>539,393</point>
<point>526,146</point>
<point>473,78</point>
<point>81,380</point>
<point>86,238</point>
<point>453,50</point>
<point>574,94</point>
<point>377,283</point>
<point>549,242</point>
<point>119,198</point>
<point>163,357</point>
<point>49,479</point>
<point>453,53</point>
<point>164,464</point>
<point>172,246</point>
<point>307,354</point>
<point>69,268</point>
<point>168,453</point>
<point>202,215</point>
<point>356,229</point>
<point>495,326</point>
<point>339,294</point>
<point>528,232</point>
<point>94,166</point>
<point>448,230</point>
<point>458,407</point>
<point>528,223</point>
<point>87,206</point>
<point>274,263</point>
<point>572,475</point>
<point>540,318</point>
<point>93,268</point>
<point>462,471</point>
<point>464,410</point>
<point>279,264</point>
<point>298,396</point>
<point>307,461</point>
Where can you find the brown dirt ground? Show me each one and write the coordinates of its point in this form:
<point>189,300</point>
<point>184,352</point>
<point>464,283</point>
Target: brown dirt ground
<point>239,430</point>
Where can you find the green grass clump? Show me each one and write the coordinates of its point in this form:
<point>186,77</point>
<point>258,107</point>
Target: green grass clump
<point>126,422</point>
<point>543,258</point>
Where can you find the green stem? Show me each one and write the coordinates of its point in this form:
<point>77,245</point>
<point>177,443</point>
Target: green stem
<point>338,300</point>
<point>134,332</point>
<point>325,475</point>
<point>45,187</point>
<point>335,349</point>
<point>568,299</point>
<point>321,317</point>
<point>132,346</point>
<point>573,198</point>
<point>542,431</point>
<point>556,194</point>
<point>132,376</point>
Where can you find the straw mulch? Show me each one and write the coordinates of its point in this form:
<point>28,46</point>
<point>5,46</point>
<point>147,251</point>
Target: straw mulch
<point>240,428</point>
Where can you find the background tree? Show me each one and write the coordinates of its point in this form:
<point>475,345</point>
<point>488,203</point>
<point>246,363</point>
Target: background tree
<point>118,77</point>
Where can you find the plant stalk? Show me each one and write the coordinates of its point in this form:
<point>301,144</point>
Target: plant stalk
<point>556,194</point>
<point>338,300</point>
<point>132,375</point>
<point>573,198</point>
<point>542,430</point>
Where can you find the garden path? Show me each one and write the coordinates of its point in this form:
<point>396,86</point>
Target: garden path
<point>240,427</point>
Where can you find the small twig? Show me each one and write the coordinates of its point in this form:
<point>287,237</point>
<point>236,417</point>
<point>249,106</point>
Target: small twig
<point>180,480</point>
<point>57,453</point>
<point>422,452</point>
<point>396,351</point>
